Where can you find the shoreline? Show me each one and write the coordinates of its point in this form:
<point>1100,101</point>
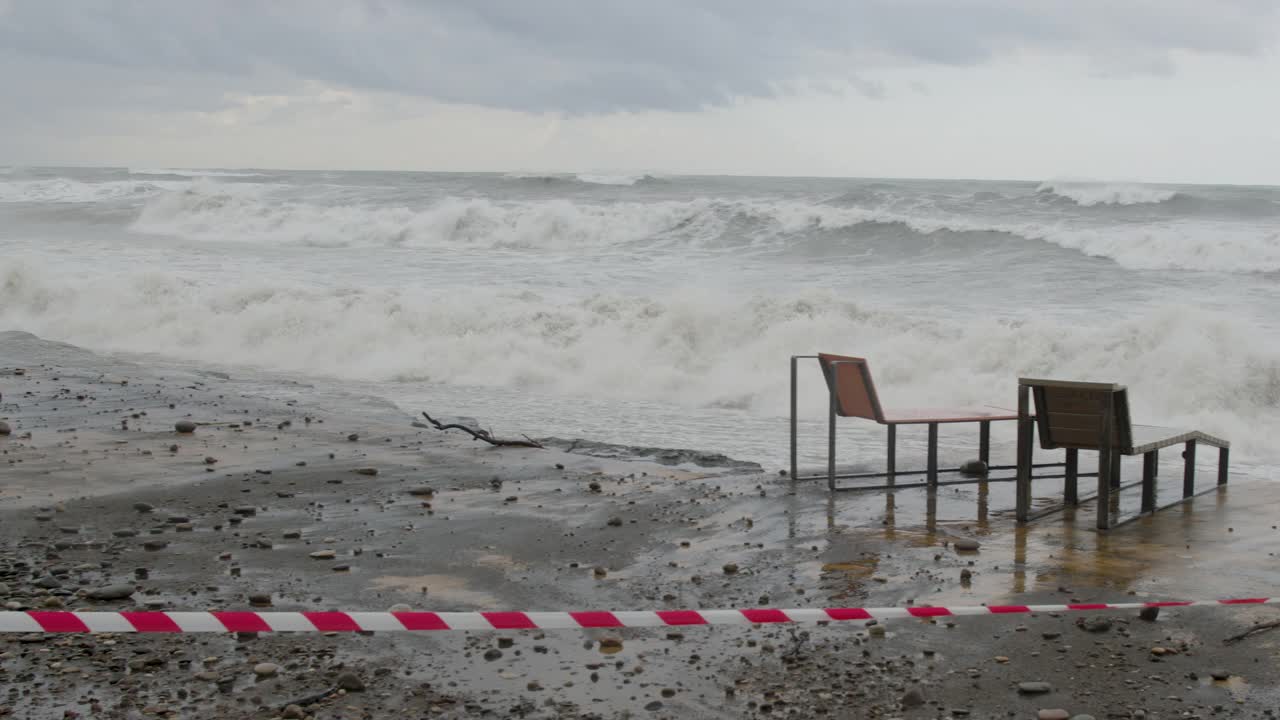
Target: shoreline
<point>516,529</point>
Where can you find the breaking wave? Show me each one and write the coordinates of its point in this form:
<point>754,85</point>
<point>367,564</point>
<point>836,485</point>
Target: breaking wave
<point>1089,194</point>
<point>210,211</point>
<point>64,190</point>
<point>688,348</point>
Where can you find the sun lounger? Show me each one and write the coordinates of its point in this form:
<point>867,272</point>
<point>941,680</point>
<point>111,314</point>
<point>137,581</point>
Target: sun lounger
<point>853,395</point>
<point>1079,416</point>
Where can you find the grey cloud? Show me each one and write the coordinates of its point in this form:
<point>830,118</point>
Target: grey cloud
<point>598,56</point>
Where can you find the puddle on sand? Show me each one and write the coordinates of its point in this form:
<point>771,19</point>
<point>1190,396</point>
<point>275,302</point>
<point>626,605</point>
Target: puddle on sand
<point>439,588</point>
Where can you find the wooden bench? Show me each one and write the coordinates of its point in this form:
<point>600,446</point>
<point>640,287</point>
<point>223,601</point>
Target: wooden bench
<point>1079,416</point>
<point>853,395</point>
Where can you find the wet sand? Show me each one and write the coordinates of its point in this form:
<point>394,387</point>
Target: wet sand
<point>525,529</point>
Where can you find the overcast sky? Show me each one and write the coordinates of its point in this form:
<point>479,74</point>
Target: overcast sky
<point>1159,90</point>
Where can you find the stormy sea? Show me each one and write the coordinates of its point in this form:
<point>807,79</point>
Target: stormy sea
<point>660,311</point>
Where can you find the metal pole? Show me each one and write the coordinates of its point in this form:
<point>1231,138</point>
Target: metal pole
<point>794,471</point>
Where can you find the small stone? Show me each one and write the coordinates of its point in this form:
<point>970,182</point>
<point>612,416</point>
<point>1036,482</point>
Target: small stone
<point>492,654</point>
<point>291,534</point>
<point>143,507</point>
<point>155,545</point>
<point>266,669</point>
<point>1097,625</point>
<point>615,522</point>
<point>423,491</point>
<point>876,631</point>
<point>974,467</point>
<point>5,429</point>
<point>506,642</point>
<point>1053,714</point>
<point>730,568</point>
<point>210,460</point>
<point>967,545</point>
<point>654,706</point>
<point>353,437</point>
<point>246,511</point>
<point>600,572</point>
<point>186,427</point>
<point>966,575</point>
<point>1149,613</point>
<point>184,527</point>
<point>207,676</point>
<point>323,555</point>
<point>1083,717</point>
<point>260,599</point>
<point>1219,674</point>
<point>293,712</point>
<point>48,582</point>
<point>111,592</point>
<point>1034,688</point>
<point>912,698</point>
<point>350,682</point>
<point>125,533</point>
<point>367,471</point>
<point>593,486</point>
<point>611,643</point>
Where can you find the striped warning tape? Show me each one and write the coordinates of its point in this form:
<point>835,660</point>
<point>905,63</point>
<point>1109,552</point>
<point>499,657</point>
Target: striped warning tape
<point>223,622</point>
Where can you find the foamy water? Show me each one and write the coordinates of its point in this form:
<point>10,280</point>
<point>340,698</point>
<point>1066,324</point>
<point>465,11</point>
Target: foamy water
<point>661,311</point>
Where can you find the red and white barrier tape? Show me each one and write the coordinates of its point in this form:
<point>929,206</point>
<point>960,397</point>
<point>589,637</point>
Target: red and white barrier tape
<point>222,622</point>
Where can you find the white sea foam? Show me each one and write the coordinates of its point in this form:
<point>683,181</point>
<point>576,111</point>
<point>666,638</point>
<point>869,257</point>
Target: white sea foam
<point>690,348</point>
<point>1090,193</point>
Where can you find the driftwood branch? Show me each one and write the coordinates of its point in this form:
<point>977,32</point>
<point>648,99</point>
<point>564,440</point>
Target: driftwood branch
<point>1260,627</point>
<point>484,435</point>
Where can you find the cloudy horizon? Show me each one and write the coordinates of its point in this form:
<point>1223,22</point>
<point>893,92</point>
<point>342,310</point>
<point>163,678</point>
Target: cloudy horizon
<point>1174,91</point>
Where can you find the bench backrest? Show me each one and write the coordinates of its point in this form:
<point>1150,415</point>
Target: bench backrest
<point>849,382</point>
<point>1073,414</point>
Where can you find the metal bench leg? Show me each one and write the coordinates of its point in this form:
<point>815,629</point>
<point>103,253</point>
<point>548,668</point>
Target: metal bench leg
<point>794,470</point>
<point>984,442</point>
<point>1115,470</point>
<point>1022,504</point>
<point>1105,464</point>
<point>933,455</point>
<point>1148,482</point>
<point>1223,454</point>
<point>1189,470</point>
<point>1070,488</point>
<point>831,445</point>
<point>892,458</point>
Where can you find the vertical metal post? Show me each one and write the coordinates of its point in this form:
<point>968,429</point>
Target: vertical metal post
<point>984,442</point>
<point>794,472</point>
<point>1105,465</point>
<point>1071,486</point>
<point>933,455</point>
<point>1189,470</point>
<point>1115,469</point>
<point>831,444</point>
<point>1223,454</point>
<point>1022,504</point>
<point>1149,482</point>
<point>1155,462</point>
<point>892,456</point>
